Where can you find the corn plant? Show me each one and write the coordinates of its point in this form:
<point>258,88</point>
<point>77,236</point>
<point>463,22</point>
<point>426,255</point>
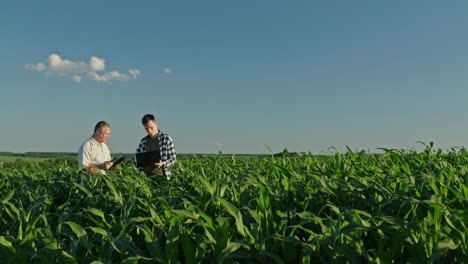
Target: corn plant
<point>399,206</point>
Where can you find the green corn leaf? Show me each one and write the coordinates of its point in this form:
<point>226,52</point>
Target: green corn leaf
<point>173,240</point>
<point>8,196</point>
<point>186,214</point>
<point>7,241</point>
<point>139,219</point>
<point>152,244</point>
<point>234,211</point>
<point>99,230</point>
<point>97,212</point>
<point>83,189</point>
<point>117,194</point>
<point>76,228</point>
<point>189,249</point>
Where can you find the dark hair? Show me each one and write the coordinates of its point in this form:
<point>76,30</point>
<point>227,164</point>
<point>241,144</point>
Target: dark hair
<point>101,125</point>
<point>146,118</point>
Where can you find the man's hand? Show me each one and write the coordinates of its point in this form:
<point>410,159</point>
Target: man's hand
<point>95,168</point>
<point>159,165</point>
<point>106,165</point>
<point>92,169</point>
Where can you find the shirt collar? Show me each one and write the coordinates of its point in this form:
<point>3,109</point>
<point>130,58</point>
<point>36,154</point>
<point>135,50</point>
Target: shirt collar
<point>157,136</point>
<point>95,141</point>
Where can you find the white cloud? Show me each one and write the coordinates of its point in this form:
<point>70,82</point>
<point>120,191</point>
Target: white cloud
<point>167,70</point>
<point>80,69</point>
<point>76,78</point>
<point>134,73</point>
<point>59,66</point>
<point>218,143</point>
<point>37,67</point>
<point>109,76</point>
<point>97,64</point>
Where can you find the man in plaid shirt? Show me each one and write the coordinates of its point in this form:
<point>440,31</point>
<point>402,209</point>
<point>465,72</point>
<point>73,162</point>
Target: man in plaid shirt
<point>157,141</point>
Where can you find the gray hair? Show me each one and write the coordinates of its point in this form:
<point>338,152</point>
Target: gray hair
<point>101,125</point>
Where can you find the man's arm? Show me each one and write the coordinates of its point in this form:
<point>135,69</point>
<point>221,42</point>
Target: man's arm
<point>84,161</point>
<point>103,166</point>
<point>171,153</point>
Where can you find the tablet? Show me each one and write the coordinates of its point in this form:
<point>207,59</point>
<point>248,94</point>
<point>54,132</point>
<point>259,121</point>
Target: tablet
<point>116,161</point>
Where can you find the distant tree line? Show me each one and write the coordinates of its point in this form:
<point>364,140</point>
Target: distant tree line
<point>286,153</point>
<point>181,156</point>
<point>54,155</point>
<point>49,155</point>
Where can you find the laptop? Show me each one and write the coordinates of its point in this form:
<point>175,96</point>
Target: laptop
<point>147,158</point>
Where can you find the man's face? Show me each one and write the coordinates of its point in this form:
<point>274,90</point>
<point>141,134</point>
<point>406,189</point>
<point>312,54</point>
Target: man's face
<point>151,128</point>
<point>102,135</point>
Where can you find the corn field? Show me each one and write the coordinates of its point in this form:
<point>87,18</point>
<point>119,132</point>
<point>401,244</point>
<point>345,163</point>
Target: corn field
<point>396,207</point>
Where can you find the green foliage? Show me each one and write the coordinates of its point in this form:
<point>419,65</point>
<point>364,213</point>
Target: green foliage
<point>396,207</point>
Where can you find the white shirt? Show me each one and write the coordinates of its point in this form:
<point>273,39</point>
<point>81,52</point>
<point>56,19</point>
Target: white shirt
<point>92,152</point>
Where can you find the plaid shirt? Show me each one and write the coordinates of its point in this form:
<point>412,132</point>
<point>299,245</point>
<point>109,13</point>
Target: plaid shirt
<point>168,153</point>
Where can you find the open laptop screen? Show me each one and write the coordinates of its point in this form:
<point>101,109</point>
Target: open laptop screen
<point>147,158</point>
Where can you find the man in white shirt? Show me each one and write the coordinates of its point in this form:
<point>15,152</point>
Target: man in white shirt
<point>94,155</point>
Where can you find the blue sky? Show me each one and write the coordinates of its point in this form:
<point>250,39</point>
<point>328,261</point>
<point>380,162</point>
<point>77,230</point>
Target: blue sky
<point>235,76</point>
